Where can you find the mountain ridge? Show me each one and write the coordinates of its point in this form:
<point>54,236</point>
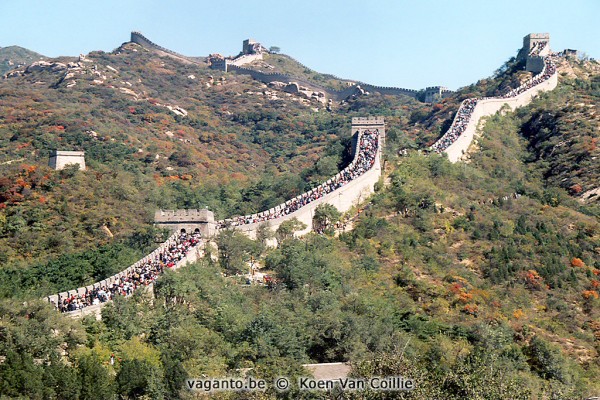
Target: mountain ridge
<point>454,274</point>
<point>12,57</point>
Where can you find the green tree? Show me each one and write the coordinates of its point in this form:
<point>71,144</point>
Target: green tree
<point>326,215</point>
<point>287,229</point>
<point>20,376</point>
<point>547,361</point>
<point>264,233</point>
<point>235,250</point>
<point>60,381</point>
<point>138,378</point>
<point>95,380</point>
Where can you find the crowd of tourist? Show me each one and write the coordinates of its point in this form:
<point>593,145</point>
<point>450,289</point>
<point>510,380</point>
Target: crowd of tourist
<point>467,107</point>
<point>463,116</point>
<point>547,72</point>
<point>367,153</point>
<point>537,48</point>
<point>142,275</point>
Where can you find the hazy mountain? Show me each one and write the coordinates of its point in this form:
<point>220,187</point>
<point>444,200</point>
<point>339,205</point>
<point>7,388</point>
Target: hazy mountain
<point>12,57</point>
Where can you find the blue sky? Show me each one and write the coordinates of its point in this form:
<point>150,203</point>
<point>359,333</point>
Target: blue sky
<point>410,44</point>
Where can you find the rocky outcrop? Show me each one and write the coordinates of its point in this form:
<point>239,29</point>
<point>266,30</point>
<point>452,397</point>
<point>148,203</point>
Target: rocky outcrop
<point>300,91</point>
<point>45,65</point>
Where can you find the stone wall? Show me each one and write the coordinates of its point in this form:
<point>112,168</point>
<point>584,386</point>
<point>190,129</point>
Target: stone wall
<point>245,59</point>
<point>193,255</point>
<point>487,107</point>
<point>534,64</point>
<point>337,95</point>
<point>343,198</point>
<point>108,281</point>
<point>236,64</point>
<point>137,37</point>
<point>189,220</point>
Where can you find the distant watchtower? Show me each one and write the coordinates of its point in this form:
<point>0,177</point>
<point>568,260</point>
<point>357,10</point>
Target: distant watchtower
<point>202,221</point>
<point>251,46</point>
<point>535,47</point>
<point>60,159</point>
<point>435,93</point>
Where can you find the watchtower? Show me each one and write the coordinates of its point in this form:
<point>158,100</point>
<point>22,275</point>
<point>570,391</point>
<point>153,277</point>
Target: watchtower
<point>360,124</point>
<point>251,46</point>
<point>187,220</point>
<point>60,159</point>
<point>435,93</point>
<point>531,42</point>
<point>535,47</point>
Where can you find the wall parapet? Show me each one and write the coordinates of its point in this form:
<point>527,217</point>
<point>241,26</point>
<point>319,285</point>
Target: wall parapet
<point>336,191</point>
<point>139,38</point>
<point>235,65</point>
<point>457,139</point>
<point>126,274</point>
<point>114,278</point>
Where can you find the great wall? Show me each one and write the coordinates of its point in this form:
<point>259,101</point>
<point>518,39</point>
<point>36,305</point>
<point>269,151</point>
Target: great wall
<point>536,47</point>
<point>358,189</point>
<point>235,64</point>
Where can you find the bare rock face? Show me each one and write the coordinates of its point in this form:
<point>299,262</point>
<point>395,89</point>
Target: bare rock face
<point>292,87</point>
<point>277,85</point>
<point>44,65</point>
<point>358,91</point>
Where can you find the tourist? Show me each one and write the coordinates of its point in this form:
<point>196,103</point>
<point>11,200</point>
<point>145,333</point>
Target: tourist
<point>145,273</point>
<point>368,145</point>
<point>463,116</point>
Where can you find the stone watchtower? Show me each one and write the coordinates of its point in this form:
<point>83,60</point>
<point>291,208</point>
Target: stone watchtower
<point>535,47</point>
<point>189,221</point>
<point>251,46</point>
<point>60,159</point>
<point>360,124</point>
<point>435,93</point>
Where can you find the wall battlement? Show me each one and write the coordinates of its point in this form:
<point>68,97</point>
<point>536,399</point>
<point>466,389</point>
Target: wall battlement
<point>203,215</point>
<point>236,65</point>
<point>468,121</point>
<point>367,121</point>
<point>189,220</point>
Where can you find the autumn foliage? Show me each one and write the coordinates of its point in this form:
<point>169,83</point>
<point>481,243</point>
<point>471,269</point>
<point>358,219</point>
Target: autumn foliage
<point>577,262</point>
<point>532,279</point>
<point>589,294</point>
<point>518,314</point>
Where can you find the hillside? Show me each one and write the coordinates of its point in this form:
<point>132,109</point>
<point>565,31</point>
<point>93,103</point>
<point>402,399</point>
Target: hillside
<point>285,64</point>
<point>12,57</point>
<point>157,133</point>
<point>563,132</point>
<point>477,279</point>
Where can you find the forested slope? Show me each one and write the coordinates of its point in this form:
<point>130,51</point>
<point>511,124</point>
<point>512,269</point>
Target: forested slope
<point>478,279</point>
<point>157,134</point>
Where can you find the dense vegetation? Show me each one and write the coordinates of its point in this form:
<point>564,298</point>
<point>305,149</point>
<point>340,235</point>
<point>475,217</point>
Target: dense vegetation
<point>447,277</point>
